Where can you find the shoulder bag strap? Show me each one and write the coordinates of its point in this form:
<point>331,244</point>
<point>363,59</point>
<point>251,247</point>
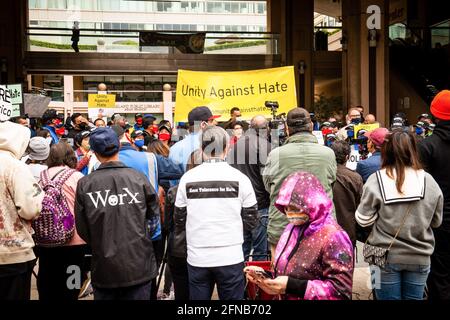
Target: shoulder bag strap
<point>401,226</point>
<point>398,231</point>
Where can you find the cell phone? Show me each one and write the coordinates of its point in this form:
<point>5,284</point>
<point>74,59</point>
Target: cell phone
<point>264,274</point>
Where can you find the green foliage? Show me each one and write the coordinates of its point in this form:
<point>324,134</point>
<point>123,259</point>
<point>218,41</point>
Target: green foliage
<point>50,45</point>
<point>326,107</point>
<point>126,43</point>
<point>232,45</point>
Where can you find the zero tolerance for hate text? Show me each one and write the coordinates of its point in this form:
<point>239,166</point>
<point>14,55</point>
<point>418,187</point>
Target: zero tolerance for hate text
<point>213,92</point>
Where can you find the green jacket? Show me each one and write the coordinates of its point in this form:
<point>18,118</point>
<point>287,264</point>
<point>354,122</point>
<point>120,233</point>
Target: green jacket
<point>300,153</point>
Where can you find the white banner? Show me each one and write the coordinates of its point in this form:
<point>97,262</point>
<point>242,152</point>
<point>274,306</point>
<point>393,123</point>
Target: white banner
<point>6,107</point>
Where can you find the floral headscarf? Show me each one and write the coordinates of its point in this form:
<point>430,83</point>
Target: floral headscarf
<point>304,191</point>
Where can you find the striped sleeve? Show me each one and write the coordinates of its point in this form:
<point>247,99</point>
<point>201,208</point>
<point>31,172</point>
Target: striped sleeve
<point>371,199</point>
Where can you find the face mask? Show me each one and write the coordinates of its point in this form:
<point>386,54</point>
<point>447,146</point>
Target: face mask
<point>419,131</point>
<point>164,136</point>
<point>49,140</point>
<point>139,143</point>
<point>60,131</point>
<point>239,119</point>
<point>139,121</point>
<point>356,121</point>
<point>297,219</point>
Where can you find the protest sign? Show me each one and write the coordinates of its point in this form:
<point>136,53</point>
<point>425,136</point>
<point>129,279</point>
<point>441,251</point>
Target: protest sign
<point>6,106</point>
<point>247,90</point>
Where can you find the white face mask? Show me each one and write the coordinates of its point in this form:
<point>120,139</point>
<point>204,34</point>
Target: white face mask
<point>239,119</point>
<point>49,140</point>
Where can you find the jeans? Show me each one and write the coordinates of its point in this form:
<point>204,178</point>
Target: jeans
<point>230,282</point>
<point>257,238</point>
<point>400,281</point>
<point>138,292</point>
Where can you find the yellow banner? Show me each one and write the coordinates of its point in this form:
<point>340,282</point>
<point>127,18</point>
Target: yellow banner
<point>367,127</point>
<point>101,101</point>
<point>247,90</point>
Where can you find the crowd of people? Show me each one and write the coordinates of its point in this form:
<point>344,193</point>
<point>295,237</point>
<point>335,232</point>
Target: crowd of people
<point>109,203</point>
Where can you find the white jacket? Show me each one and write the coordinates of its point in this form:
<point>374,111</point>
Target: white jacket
<point>20,196</point>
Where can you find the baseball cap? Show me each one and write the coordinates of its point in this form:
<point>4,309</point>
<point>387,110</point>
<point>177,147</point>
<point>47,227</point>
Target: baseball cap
<point>80,136</point>
<point>104,141</point>
<point>137,133</point>
<point>49,114</point>
<point>164,126</point>
<point>424,115</point>
<point>440,106</point>
<point>200,114</point>
<point>39,149</point>
<point>138,115</point>
<point>377,136</point>
<point>298,117</point>
<point>148,115</point>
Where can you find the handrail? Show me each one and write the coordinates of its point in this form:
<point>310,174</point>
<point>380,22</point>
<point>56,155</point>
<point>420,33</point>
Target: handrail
<point>159,31</point>
<point>129,36</point>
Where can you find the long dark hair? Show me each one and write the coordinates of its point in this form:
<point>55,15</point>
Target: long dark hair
<point>399,152</point>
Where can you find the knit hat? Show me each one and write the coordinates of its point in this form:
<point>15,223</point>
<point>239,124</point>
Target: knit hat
<point>440,107</point>
<point>39,149</point>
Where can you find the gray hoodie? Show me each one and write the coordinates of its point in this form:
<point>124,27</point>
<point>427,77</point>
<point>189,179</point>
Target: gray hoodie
<point>21,196</point>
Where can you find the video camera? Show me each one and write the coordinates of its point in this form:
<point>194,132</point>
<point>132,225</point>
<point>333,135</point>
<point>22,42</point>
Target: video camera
<point>278,122</point>
<point>360,141</point>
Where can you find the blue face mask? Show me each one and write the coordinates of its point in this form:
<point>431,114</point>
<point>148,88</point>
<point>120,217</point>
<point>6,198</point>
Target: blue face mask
<point>139,143</point>
<point>419,131</point>
<point>356,121</point>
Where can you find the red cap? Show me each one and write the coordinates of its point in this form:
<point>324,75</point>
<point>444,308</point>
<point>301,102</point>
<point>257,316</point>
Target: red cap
<point>440,107</point>
<point>377,136</point>
<point>213,117</point>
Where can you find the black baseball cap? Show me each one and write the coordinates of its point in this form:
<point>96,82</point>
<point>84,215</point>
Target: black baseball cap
<point>424,115</point>
<point>49,114</point>
<point>298,117</point>
<point>104,141</point>
<point>80,136</point>
<point>200,114</point>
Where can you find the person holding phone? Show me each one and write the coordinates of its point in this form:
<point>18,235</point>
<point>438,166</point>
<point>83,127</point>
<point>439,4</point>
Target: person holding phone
<point>314,256</point>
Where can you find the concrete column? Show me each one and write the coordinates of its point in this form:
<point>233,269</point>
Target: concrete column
<point>356,62</point>
<point>68,95</point>
<point>168,104</point>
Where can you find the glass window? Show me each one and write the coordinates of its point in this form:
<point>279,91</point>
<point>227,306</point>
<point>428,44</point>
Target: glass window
<point>57,4</point>
<point>235,7</point>
<point>261,8</point>
<point>185,7</point>
<point>243,7</point>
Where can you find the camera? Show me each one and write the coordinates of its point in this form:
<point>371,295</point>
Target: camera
<point>360,141</point>
<point>278,122</point>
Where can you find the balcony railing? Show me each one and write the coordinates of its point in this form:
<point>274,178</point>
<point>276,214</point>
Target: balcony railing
<point>127,41</point>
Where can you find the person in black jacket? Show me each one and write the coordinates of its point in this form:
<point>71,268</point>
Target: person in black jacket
<point>249,156</point>
<point>113,206</point>
<point>75,36</point>
<point>434,152</point>
<point>176,255</point>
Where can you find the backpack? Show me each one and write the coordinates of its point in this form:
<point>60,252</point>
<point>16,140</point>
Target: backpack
<point>55,226</point>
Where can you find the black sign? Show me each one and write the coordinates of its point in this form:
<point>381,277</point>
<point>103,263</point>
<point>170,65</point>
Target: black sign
<point>184,42</point>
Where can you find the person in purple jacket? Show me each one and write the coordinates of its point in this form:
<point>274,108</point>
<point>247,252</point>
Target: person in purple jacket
<point>314,256</point>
